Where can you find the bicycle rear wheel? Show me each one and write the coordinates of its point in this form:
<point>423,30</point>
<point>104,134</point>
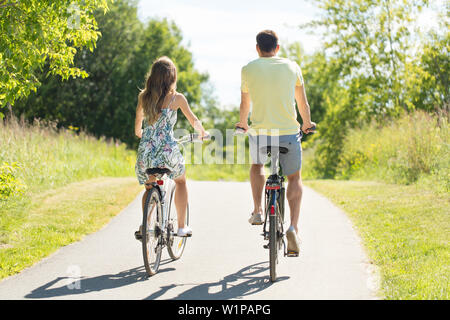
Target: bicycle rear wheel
<point>176,244</point>
<point>273,237</point>
<point>151,232</point>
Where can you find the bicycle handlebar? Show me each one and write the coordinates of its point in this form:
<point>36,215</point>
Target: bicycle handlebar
<point>193,137</point>
<point>313,130</point>
<point>240,130</point>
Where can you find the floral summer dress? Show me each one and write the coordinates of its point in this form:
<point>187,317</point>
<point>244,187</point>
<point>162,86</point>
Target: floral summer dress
<point>158,148</point>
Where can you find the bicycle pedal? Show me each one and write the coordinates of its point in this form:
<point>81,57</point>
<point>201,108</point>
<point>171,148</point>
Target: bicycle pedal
<point>174,234</point>
<point>266,246</point>
<point>186,236</point>
<point>138,236</point>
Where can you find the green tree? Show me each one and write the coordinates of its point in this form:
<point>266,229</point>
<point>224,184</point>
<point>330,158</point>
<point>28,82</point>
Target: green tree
<point>370,41</point>
<point>314,67</point>
<point>34,33</point>
<point>375,65</point>
<point>104,103</point>
<point>427,75</point>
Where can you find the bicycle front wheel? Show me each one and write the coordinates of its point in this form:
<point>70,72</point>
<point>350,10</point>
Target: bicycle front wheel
<point>151,232</point>
<point>176,244</point>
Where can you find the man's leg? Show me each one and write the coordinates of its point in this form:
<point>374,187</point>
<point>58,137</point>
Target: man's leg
<point>291,163</point>
<point>257,181</point>
<point>294,197</point>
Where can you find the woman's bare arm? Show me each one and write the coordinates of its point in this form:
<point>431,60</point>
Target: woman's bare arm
<point>193,120</point>
<point>138,121</point>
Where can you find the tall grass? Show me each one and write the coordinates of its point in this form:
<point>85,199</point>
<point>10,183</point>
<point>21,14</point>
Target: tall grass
<point>45,158</point>
<point>413,148</point>
<point>50,158</point>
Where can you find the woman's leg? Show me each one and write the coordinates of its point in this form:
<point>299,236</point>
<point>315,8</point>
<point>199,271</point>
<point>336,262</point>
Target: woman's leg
<point>181,200</point>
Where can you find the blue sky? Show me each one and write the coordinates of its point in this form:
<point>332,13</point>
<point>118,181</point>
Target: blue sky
<point>221,34</point>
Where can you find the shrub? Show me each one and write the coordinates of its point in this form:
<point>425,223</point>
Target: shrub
<point>9,184</point>
<point>51,158</point>
<point>413,147</point>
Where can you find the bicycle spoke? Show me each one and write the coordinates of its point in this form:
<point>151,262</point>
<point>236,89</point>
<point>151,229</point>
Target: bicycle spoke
<point>151,244</point>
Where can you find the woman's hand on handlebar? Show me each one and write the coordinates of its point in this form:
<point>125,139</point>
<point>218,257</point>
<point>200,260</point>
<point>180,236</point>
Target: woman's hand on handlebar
<point>203,134</point>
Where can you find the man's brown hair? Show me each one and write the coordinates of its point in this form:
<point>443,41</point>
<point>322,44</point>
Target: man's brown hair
<point>267,40</point>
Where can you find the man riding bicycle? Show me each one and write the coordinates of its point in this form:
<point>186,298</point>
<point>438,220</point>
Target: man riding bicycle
<point>273,85</point>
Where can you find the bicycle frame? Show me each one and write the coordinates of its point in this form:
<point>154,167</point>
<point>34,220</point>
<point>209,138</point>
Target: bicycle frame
<point>164,184</point>
<point>273,191</point>
<point>274,210</point>
<point>162,229</point>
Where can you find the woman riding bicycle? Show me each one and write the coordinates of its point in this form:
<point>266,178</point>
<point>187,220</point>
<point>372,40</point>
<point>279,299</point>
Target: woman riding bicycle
<point>156,115</point>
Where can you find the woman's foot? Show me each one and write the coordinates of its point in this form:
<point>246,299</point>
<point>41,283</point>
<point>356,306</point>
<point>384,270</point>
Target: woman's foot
<point>184,232</point>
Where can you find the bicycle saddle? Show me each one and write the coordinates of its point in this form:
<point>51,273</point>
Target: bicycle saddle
<point>268,149</point>
<point>155,171</point>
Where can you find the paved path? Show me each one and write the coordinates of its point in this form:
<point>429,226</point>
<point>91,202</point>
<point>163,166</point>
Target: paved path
<point>225,258</point>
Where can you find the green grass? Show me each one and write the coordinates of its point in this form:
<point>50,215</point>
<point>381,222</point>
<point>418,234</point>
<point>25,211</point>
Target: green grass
<point>202,163</point>
<point>406,231</point>
<point>50,159</point>
<point>218,172</point>
<point>71,184</point>
<point>59,217</point>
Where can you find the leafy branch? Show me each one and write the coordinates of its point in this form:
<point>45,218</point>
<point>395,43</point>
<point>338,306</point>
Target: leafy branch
<point>3,4</point>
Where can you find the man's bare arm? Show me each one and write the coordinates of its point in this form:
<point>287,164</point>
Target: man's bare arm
<point>303,108</point>
<point>244,110</point>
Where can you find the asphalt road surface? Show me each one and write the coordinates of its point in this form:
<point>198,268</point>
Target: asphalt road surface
<point>224,259</point>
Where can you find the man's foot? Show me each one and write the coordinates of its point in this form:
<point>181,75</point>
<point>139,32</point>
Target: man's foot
<point>184,232</point>
<point>293,247</point>
<point>256,219</point>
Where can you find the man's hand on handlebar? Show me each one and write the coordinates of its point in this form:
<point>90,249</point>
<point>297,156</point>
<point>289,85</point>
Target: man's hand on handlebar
<point>309,127</point>
<point>242,126</point>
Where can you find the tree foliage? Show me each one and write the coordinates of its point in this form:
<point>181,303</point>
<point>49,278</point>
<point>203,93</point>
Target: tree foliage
<point>313,68</point>
<point>375,64</point>
<point>34,33</point>
<point>104,103</point>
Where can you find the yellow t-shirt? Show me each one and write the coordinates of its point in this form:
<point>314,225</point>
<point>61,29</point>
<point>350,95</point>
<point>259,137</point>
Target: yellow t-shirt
<point>271,84</point>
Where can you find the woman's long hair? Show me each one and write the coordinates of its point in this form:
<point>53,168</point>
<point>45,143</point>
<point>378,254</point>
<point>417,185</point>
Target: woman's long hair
<point>160,81</point>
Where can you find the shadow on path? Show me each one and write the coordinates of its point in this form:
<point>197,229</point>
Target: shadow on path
<point>86,285</point>
<point>245,282</point>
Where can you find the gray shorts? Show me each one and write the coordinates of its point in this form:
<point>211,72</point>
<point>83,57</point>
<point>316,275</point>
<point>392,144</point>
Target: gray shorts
<point>290,162</point>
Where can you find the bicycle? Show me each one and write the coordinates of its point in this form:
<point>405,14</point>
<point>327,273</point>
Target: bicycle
<point>274,199</point>
<point>159,220</point>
